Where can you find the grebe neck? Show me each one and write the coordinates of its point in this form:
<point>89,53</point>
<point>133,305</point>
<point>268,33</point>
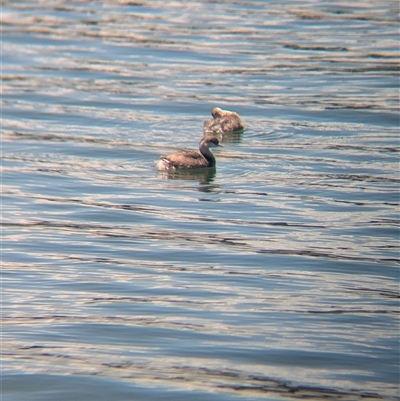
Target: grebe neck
<point>207,155</point>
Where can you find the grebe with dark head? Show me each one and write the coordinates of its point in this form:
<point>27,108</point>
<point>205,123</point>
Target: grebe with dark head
<point>224,121</point>
<point>189,159</point>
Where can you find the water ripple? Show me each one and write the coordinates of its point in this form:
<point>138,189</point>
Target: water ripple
<point>274,275</point>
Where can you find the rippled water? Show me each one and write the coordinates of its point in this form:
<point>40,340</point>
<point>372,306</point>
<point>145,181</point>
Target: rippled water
<point>276,277</point>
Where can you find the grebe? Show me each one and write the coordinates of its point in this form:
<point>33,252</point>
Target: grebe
<point>190,159</point>
<point>223,121</point>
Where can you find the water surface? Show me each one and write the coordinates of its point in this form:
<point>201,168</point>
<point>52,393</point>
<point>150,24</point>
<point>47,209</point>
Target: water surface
<point>274,277</point>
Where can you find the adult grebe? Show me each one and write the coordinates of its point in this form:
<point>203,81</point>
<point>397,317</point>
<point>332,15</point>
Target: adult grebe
<point>223,121</point>
<point>190,159</point>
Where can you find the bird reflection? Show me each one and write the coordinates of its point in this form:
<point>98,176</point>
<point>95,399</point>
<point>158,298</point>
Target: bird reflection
<point>231,137</point>
<point>204,175</point>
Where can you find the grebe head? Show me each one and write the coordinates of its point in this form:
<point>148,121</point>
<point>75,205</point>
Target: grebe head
<point>217,112</point>
<point>210,142</point>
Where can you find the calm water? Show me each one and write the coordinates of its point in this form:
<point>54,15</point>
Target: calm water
<point>276,278</point>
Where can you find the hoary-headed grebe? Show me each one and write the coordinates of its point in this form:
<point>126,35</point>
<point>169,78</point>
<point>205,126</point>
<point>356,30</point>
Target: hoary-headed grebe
<point>190,159</point>
<point>224,121</point>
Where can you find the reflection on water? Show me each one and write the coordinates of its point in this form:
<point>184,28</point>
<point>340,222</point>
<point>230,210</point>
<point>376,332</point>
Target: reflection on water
<point>202,175</point>
<point>234,138</point>
<point>273,275</point>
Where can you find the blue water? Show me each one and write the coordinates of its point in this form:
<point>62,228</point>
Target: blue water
<point>275,277</point>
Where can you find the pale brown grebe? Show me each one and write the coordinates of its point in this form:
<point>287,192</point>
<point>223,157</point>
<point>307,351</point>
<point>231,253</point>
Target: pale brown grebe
<point>224,121</point>
<point>190,159</point>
